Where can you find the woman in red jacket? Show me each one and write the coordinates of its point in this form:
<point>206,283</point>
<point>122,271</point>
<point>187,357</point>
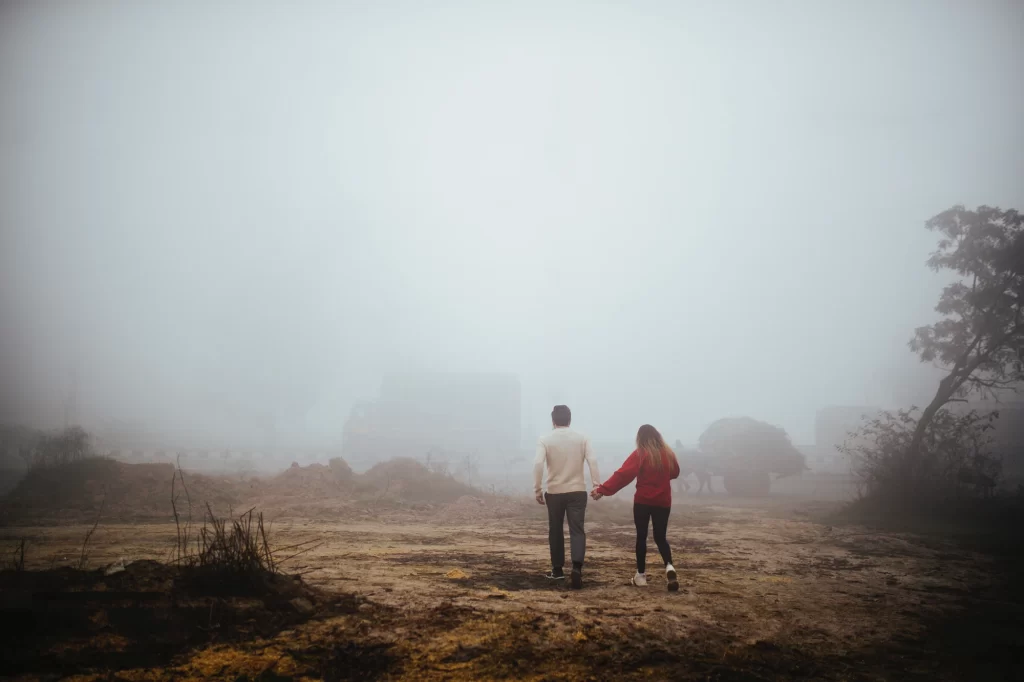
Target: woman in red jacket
<point>654,466</point>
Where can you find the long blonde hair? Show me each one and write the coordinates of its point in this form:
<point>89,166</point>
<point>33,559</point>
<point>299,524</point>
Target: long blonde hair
<point>652,448</point>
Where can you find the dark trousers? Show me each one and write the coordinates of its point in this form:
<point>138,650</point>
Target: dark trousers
<point>642,515</point>
<point>560,506</point>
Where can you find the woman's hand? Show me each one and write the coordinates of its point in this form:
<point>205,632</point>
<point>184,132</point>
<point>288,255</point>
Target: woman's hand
<point>595,495</point>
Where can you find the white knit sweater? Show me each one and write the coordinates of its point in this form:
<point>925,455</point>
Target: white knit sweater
<point>563,451</point>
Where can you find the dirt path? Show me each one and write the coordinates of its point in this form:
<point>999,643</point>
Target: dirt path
<point>764,596</point>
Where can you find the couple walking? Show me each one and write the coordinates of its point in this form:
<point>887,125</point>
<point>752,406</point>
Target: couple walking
<point>563,452</point>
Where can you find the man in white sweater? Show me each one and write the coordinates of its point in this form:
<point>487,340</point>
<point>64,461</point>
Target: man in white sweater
<point>563,452</point>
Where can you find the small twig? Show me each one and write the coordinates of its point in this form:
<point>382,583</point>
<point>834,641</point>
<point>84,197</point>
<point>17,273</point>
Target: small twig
<point>295,546</point>
<point>266,546</point>
<point>308,549</point>
<point>177,521</point>
<point>188,498</point>
<point>186,534</point>
<point>243,514</point>
<point>85,543</point>
<point>18,559</point>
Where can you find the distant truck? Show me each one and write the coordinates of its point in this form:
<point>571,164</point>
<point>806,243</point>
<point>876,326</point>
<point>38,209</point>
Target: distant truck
<point>455,414</point>
<point>746,452</point>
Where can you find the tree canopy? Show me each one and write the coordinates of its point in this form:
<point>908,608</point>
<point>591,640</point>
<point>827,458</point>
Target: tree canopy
<point>980,339</point>
<point>753,444</point>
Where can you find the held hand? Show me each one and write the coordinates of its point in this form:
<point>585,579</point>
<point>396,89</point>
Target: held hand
<point>595,495</point>
<point>540,498</point>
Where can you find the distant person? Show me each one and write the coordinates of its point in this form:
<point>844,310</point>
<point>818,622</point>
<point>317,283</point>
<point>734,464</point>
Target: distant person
<point>563,452</point>
<point>654,466</point>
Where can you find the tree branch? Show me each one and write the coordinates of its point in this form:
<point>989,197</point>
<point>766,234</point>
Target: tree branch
<point>995,383</point>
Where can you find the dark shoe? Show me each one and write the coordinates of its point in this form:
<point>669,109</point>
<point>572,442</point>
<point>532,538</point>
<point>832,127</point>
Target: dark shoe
<point>555,574</point>
<point>576,579</point>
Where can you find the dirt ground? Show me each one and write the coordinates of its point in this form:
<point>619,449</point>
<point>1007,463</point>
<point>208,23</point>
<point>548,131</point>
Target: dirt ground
<point>769,592</point>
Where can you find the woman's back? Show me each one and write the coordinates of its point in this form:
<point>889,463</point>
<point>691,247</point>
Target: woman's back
<point>653,482</point>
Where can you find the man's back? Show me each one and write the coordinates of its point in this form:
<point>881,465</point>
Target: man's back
<point>564,451</point>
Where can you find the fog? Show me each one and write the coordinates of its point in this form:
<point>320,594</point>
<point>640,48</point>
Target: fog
<point>218,216</point>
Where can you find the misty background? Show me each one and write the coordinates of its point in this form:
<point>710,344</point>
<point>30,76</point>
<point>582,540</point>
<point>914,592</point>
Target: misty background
<point>215,216</point>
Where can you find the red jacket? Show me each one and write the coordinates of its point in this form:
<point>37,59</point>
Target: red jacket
<point>653,487</point>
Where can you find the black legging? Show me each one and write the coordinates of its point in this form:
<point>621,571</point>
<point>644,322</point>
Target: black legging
<point>642,513</point>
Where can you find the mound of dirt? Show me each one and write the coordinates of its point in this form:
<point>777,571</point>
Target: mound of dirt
<point>315,480</point>
<point>315,491</point>
<point>113,491</point>
<point>342,471</point>
<point>406,480</point>
<point>110,490</point>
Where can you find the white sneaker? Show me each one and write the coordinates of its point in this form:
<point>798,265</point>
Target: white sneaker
<point>670,576</point>
<point>640,580</point>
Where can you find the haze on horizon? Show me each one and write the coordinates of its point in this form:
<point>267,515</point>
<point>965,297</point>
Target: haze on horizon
<point>215,214</point>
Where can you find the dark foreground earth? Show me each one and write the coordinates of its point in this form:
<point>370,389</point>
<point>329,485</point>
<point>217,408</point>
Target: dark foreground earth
<point>769,592</point>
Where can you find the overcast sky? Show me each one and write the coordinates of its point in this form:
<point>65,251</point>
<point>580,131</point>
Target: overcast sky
<point>215,214</point>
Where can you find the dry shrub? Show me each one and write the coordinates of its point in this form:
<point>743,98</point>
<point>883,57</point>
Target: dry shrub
<point>239,548</point>
<point>230,552</point>
<point>65,447</point>
<point>956,462</point>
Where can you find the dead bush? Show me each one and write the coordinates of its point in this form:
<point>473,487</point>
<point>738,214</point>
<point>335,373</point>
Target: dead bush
<point>68,446</point>
<point>239,548</point>
<point>227,551</point>
<point>956,460</point>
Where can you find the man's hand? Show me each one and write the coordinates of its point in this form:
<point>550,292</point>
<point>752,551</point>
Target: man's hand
<point>540,498</point>
<point>595,495</point>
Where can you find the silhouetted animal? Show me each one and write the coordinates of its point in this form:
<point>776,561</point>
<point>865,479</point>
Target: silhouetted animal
<point>703,478</point>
